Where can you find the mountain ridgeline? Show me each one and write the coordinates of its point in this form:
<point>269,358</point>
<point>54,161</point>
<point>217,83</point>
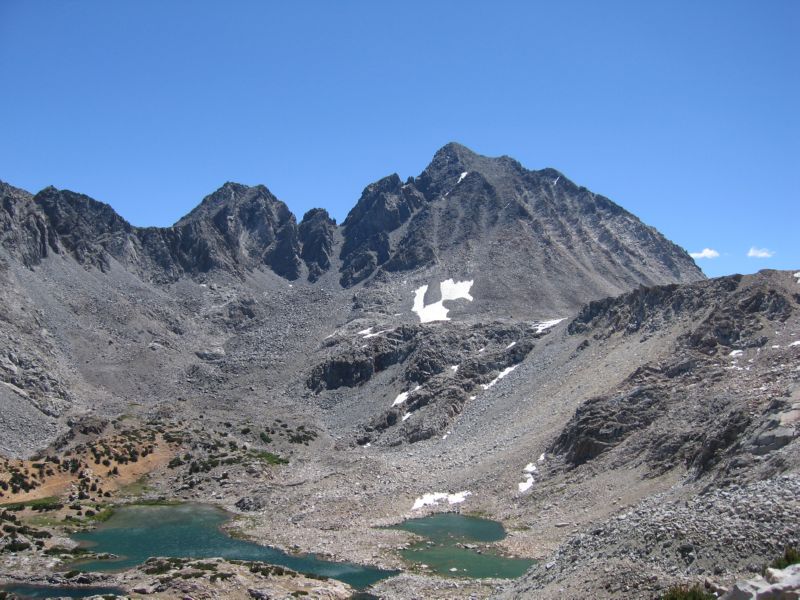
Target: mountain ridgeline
<point>465,214</point>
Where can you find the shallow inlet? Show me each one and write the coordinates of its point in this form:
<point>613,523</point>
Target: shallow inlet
<point>445,552</point>
<point>135,533</point>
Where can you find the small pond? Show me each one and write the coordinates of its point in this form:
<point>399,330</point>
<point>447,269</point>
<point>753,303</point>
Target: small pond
<point>28,591</point>
<point>135,533</point>
<point>460,546</point>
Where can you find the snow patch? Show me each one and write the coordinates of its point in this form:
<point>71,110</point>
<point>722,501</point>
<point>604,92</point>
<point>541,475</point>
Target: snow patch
<point>451,290</point>
<point>366,331</point>
<point>511,345</point>
<point>377,333</point>
<point>797,276</point>
<point>502,374</point>
<point>545,325</point>
<point>529,468</point>
<point>797,343</point>
<point>406,416</point>
<point>434,498</point>
<point>461,177</point>
<point>541,457</point>
<point>454,368</point>
<point>401,397</point>
<point>736,353</point>
<point>524,486</point>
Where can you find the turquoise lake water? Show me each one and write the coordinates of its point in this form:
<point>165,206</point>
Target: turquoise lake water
<point>135,533</point>
<point>444,552</point>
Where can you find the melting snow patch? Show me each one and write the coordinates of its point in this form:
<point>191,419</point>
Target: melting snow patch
<point>451,290</point>
<point>511,345</point>
<point>502,374</point>
<point>544,325</point>
<point>524,486</point>
<point>366,331</point>
<point>736,353</point>
<point>797,343</point>
<point>461,177</point>
<point>436,497</point>
<point>406,416</point>
<point>529,468</point>
<point>776,346</point>
<point>454,368</point>
<point>482,350</point>
<point>541,457</point>
<point>472,397</point>
<point>797,276</point>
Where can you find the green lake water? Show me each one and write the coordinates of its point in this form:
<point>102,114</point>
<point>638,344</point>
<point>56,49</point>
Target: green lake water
<point>444,552</point>
<point>135,533</point>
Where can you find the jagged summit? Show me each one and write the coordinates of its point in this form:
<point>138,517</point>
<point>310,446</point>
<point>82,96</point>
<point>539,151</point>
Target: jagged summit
<point>530,237</point>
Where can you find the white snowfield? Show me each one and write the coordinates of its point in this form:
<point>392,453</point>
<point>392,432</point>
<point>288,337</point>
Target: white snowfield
<point>451,290</point>
<point>434,498</point>
<point>461,177</point>
<point>502,374</point>
<point>736,353</point>
<point>797,343</point>
<point>797,275</point>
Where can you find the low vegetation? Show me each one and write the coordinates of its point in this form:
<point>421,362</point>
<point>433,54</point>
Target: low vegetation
<point>695,592</point>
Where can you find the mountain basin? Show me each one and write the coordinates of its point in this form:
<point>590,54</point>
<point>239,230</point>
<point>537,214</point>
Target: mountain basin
<point>460,546</point>
<point>136,532</point>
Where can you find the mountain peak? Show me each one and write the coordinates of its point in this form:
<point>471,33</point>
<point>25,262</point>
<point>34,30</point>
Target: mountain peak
<point>230,193</point>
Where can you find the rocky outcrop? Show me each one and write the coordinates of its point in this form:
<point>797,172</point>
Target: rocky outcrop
<point>676,410</point>
<point>383,207</point>
<point>776,584</point>
<point>316,234</point>
<point>440,368</point>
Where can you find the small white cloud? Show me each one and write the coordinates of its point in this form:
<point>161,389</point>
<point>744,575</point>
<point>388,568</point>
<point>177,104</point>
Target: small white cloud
<point>760,252</point>
<point>705,253</point>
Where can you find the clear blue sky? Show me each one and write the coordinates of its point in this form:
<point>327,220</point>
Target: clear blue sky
<point>684,112</point>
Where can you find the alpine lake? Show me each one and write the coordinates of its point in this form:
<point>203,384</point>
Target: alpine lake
<point>454,546</point>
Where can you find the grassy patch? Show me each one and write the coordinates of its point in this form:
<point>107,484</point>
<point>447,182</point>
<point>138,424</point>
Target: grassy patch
<point>791,556</point>
<point>104,514</point>
<point>49,503</point>
<point>684,592</point>
<point>136,488</point>
<point>268,457</point>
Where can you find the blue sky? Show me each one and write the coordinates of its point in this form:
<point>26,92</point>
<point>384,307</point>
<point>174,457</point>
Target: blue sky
<point>685,113</point>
